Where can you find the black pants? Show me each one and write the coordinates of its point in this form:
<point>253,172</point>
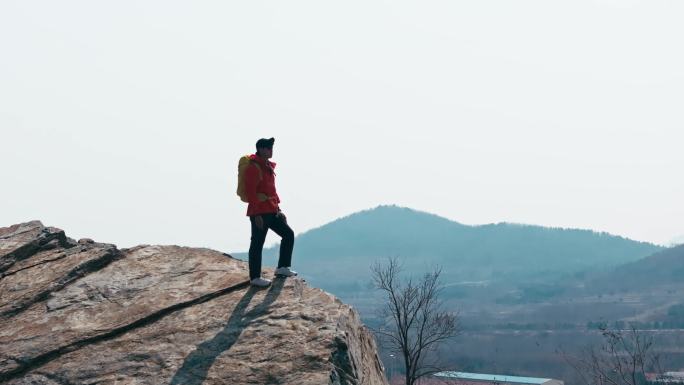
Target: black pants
<point>280,227</point>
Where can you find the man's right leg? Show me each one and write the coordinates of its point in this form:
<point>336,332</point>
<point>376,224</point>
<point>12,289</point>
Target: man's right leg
<point>279,226</point>
<point>256,247</point>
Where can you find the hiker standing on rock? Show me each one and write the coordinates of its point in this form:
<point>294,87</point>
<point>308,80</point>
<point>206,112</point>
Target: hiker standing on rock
<point>256,186</point>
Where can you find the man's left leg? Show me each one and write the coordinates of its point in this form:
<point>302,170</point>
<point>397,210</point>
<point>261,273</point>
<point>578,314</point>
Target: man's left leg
<point>256,246</point>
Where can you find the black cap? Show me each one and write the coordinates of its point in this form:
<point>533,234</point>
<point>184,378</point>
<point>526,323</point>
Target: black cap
<point>265,143</point>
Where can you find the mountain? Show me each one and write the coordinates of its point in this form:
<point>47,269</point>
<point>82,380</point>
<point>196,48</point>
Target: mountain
<point>76,312</point>
<point>338,255</point>
<point>664,268</point>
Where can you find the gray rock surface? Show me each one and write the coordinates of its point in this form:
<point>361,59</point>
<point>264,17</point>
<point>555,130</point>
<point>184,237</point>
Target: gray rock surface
<point>88,313</point>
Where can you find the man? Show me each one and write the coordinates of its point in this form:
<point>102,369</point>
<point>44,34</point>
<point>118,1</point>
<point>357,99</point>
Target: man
<point>264,214</point>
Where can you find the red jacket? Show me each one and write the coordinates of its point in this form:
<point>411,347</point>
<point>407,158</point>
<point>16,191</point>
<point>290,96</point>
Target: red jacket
<point>260,187</point>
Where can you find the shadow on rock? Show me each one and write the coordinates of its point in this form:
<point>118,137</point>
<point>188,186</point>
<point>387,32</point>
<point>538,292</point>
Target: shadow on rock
<point>197,364</point>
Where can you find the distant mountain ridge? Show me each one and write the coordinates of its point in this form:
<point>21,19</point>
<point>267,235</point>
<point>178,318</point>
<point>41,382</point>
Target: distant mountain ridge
<point>663,268</point>
<point>339,254</point>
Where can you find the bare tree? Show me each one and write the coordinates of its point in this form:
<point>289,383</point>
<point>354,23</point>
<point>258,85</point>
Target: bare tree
<point>623,358</point>
<point>418,322</point>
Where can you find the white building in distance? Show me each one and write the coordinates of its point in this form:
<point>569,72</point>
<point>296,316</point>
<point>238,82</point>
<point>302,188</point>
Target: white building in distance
<point>463,378</point>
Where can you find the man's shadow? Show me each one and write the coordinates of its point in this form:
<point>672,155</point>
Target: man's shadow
<point>197,364</point>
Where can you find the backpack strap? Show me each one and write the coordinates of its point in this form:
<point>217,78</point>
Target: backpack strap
<point>261,196</point>
<point>255,163</point>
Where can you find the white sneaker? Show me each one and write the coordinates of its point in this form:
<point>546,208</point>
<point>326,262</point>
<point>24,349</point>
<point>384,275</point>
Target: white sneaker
<point>285,272</point>
<point>260,282</point>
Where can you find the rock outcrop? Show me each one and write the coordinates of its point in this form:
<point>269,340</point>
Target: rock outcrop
<point>82,312</point>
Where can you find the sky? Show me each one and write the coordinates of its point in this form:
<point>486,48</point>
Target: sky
<point>124,121</point>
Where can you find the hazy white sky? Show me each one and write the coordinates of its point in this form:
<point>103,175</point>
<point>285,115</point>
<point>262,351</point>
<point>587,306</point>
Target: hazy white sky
<point>123,120</point>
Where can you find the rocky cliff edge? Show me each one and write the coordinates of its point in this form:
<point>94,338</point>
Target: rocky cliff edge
<point>82,312</point>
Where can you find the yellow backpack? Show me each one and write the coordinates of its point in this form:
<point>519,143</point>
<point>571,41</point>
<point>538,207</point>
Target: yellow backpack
<point>244,162</point>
